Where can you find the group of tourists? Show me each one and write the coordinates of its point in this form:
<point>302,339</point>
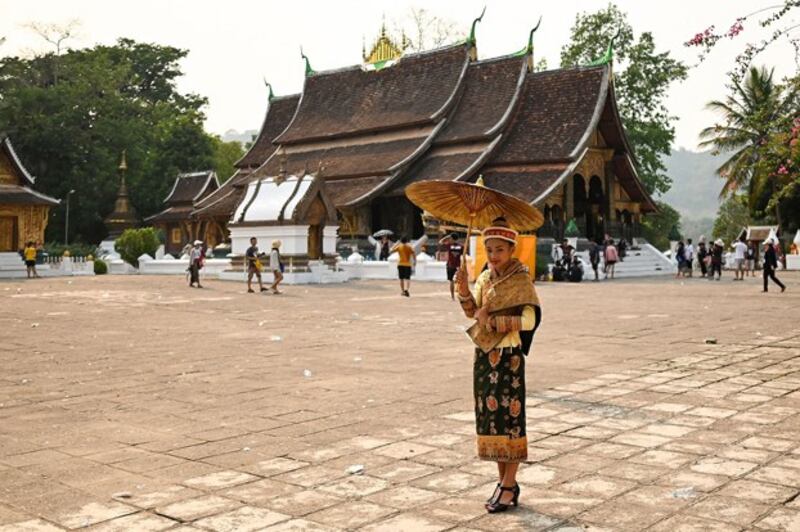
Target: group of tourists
<point>567,265</point>
<point>710,259</point>
<point>254,262</point>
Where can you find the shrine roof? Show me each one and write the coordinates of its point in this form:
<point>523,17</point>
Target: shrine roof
<point>528,185</point>
<point>350,160</point>
<point>280,111</point>
<point>190,187</point>
<point>171,214</point>
<point>417,90</point>
<point>21,195</point>
<point>558,110</point>
<point>489,93</point>
<point>221,204</point>
<point>8,149</point>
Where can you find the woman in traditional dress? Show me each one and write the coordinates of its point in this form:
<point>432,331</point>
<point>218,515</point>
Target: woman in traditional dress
<point>506,310</point>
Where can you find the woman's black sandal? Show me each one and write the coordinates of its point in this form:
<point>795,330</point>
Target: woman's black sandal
<point>497,506</point>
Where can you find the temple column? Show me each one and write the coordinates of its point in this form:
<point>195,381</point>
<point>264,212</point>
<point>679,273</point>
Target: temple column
<point>569,202</point>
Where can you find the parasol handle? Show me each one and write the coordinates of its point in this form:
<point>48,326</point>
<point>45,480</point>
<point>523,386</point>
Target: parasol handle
<point>466,244</point>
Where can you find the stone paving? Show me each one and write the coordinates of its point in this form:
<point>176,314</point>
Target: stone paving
<point>130,403</point>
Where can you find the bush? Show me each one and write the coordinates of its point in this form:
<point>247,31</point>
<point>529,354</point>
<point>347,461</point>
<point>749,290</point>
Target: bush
<point>100,267</point>
<point>571,230</point>
<point>134,242</point>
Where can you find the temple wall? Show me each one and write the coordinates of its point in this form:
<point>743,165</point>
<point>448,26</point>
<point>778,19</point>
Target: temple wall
<point>31,221</point>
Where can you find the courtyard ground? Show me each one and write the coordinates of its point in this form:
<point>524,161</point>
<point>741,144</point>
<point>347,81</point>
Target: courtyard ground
<point>136,403</point>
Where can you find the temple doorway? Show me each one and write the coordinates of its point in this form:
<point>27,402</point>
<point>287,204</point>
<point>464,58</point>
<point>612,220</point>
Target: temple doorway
<point>595,222</point>
<point>8,233</point>
<point>316,223</point>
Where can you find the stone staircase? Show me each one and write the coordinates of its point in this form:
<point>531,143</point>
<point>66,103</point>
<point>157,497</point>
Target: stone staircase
<point>643,262</point>
<point>12,265</point>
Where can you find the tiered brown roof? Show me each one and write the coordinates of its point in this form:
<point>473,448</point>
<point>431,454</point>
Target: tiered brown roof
<point>351,101</point>
<point>279,113</point>
<point>439,115</point>
<point>188,189</point>
<point>222,203</point>
<point>556,111</point>
<point>489,90</point>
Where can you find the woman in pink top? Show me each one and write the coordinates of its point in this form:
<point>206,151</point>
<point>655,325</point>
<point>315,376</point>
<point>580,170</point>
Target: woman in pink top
<point>611,257</point>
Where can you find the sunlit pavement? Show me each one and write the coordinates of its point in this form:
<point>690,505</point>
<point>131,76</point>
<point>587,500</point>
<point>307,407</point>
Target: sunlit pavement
<point>137,403</point>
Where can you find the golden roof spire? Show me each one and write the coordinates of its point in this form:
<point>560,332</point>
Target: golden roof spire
<point>384,48</point>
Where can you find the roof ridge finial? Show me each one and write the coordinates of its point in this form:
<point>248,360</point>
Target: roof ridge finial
<point>383,26</point>
<point>309,70</point>
<point>269,88</point>
<point>608,57</point>
<point>529,49</point>
<point>471,39</point>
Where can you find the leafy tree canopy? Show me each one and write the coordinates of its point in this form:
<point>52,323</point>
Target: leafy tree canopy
<point>658,228</point>
<point>70,115</point>
<point>642,76</point>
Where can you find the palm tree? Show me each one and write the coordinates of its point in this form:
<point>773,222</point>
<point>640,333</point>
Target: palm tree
<point>756,109</point>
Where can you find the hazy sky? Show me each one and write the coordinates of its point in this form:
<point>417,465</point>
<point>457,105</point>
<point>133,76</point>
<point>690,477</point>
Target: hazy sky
<point>235,44</point>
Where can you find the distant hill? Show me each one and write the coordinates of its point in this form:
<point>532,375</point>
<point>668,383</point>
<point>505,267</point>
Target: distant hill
<point>695,185</point>
<point>245,138</point>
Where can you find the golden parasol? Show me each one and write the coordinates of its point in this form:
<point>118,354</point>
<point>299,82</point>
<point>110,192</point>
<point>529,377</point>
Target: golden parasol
<point>473,205</point>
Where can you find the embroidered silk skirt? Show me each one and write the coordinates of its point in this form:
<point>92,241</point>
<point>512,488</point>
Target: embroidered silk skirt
<point>499,389</point>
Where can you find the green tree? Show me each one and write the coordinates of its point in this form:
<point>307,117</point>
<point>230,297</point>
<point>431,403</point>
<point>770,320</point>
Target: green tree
<point>657,228</point>
<point>133,243</point>
<point>224,155</point>
<point>69,129</point>
<point>733,216</point>
<point>642,77</point>
<point>758,109</point>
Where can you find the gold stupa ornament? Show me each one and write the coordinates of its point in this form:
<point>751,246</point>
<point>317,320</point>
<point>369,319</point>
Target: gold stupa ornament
<point>384,52</point>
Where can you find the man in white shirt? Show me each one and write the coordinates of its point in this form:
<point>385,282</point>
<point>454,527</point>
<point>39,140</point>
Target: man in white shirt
<point>688,254</point>
<point>739,252</point>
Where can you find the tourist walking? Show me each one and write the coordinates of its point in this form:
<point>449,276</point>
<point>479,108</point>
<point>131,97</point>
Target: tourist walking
<point>688,255</point>
<point>276,266</point>
<point>404,265</point>
<point>610,258</point>
<point>253,265</point>
<point>195,264</point>
<point>750,259</point>
<point>29,255</point>
<point>739,257</point>
<point>505,307</point>
<point>716,259</point>
<point>594,257</point>
<point>702,255</point>
<point>680,258</point>
<point>770,265</point>
<point>454,251</point>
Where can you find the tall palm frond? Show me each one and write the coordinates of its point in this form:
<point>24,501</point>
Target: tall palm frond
<point>749,115</point>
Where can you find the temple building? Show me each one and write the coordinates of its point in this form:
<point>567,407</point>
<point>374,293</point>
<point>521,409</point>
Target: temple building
<point>175,220</point>
<point>23,211</point>
<point>552,138</point>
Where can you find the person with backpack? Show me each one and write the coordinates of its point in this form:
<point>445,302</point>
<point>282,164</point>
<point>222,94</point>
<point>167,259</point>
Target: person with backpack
<point>505,308</point>
<point>716,259</point>
<point>276,266</point>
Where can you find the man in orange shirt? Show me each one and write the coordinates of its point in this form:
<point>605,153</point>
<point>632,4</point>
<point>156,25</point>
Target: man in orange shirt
<point>407,258</point>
